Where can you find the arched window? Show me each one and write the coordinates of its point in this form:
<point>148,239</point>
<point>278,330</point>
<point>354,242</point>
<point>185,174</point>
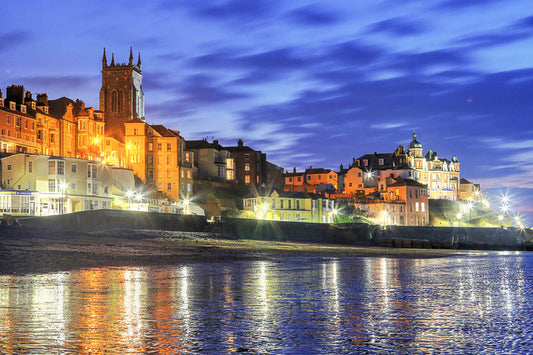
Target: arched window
<point>121,101</point>
<point>114,101</point>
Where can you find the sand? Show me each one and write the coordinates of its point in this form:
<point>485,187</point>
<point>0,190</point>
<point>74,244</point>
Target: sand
<point>24,250</point>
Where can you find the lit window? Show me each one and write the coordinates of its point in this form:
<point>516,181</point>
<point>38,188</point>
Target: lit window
<point>247,179</point>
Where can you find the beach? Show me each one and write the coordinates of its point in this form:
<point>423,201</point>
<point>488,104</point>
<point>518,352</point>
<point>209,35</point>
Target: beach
<point>37,250</point>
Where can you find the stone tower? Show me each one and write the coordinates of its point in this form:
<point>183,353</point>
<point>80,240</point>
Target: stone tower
<point>121,95</point>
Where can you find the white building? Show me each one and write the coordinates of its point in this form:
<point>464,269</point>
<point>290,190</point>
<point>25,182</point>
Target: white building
<point>64,185</point>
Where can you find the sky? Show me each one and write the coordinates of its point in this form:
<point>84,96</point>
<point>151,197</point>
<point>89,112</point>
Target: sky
<point>309,83</point>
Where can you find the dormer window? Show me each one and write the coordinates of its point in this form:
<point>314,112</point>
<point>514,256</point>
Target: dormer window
<point>12,105</point>
<point>46,110</point>
<point>33,105</point>
<point>23,108</point>
<point>1,102</point>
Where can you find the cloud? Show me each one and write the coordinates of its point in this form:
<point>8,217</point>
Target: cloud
<point>462,4</point>
<point>11,40</point>
<point>389,125</point>
<point>237,10</point>
<point>313,15</point>
<point>354,52</point>
<point>397,26</point>
<point>201,89</point>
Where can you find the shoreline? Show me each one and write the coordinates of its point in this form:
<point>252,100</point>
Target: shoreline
<point>42,251</point>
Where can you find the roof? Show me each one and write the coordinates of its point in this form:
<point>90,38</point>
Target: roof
<point>317,171</point>
<point>406,182</point>
<point>414,143</point>
<point>163,131</point>
<point>202,144</point>
<point>464,181</point>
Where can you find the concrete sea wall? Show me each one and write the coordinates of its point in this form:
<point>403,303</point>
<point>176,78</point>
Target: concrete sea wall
<point>351,234</point>
<point>359,234</point>
<point>101,220</point>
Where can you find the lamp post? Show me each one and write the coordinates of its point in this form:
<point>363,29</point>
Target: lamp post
<point>186,203</point>
<point>63,190</point>
<point>129,195</point>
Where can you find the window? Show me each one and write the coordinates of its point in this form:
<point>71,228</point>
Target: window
<point>273,204</point>
<point>150,146</point>
<point>416,207</point>
<point>9,167</point>
<point>290,179</point>
<point>281,204</point>
<point>189,174</point>
<point>308,177</point>
<point>247,167</point>
<point>169,146</point>
<point>423,207</point>
<point>247,179</point>
<point>169,186</point>
<point>381,162</point>
<point>159,146</point>
<point>60,168</point>
<point>246,156</point>
<point>52,138</point>
<point>106,189</point>
<point>74,168</point>
<point>365,162</point>
<point>188,158</point>
<point>73,186</point>
<point>150,160</point>
<point>297,204</point>
<point>30,167</point>
<point>7,119</point>
<point>51,167</point>
<point>51,185</point>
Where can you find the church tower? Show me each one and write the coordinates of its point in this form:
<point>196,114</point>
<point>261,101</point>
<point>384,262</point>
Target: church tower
<point>121,95</point>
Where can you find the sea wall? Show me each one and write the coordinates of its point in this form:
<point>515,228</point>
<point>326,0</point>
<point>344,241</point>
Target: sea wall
<point>100,220</point>
<point>352,234</point>
<point>359,234</point>
<point>453,237</point>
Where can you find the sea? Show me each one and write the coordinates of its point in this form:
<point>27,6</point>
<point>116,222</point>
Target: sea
<point>468,304</point>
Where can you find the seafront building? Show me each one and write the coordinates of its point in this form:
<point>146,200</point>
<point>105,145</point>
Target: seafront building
<point>56,185</point>
<point>291,207</point>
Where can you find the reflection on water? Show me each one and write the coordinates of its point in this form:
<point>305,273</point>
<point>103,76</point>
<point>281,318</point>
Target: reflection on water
<point>297,305</point>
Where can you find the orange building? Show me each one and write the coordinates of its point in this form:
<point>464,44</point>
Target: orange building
<point>404,203</point>
<point>17,124</point>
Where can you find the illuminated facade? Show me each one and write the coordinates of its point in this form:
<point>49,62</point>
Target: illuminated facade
<point>470,191</point>
<point>64,184</point>
<point>440,175</point>
<point>121,94</point>
<point>311,180</point>
<point>405,202</point>
<point>157,156</point>
<point>292,206</point>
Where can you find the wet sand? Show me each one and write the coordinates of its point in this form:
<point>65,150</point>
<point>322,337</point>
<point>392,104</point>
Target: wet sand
<point>25,251</point>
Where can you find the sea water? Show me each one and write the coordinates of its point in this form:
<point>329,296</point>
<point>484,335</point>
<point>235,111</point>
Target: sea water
<point>301,305</point>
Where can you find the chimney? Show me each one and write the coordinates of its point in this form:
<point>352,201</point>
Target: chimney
<point>215,141</point>
<point>240,143</point>
<point>42,99</point>
<point>28,97</point>
<point>15,93</point>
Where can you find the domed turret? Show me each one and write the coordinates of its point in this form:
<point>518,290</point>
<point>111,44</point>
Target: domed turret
<point>414,143</point>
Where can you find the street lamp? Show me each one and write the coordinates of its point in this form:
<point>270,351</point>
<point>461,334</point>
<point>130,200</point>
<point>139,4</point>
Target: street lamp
<point>459,217</point>
<point>186,203</point>
<point>129,195</point>
<point>63,189</point>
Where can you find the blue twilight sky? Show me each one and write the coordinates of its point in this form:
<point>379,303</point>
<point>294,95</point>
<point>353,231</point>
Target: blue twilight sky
<point>309,83</point>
